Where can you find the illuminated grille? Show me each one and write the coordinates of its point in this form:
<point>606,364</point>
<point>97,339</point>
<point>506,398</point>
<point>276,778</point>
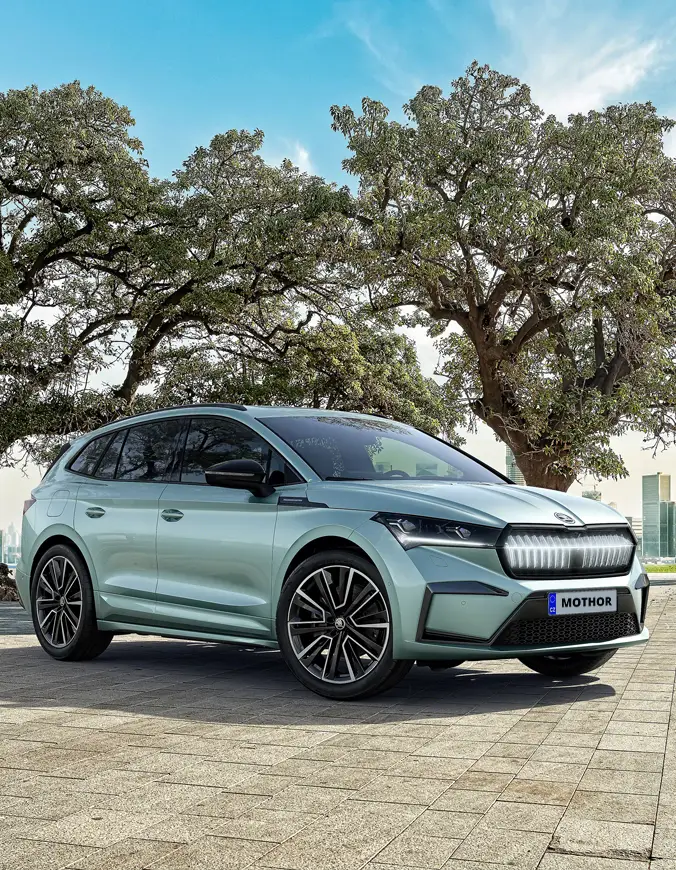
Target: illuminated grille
<point>573,553</point>
<point>581,628</point>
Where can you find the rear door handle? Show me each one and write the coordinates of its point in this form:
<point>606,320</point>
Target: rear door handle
<point>95,512</point>
<point>171,515</point>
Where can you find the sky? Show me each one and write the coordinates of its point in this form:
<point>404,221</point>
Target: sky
<point>189,70</point>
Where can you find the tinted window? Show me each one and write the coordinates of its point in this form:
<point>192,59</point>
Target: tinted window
<point>108,465</point>
<point>212,440</point>
<point>373,449</point>
<point>149,449</point>
<point>87,459</point>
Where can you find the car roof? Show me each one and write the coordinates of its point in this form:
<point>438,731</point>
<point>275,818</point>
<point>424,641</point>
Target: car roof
<point>241,412</point>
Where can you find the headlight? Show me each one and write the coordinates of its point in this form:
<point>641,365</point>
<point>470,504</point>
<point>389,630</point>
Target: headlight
<point>427,532</point>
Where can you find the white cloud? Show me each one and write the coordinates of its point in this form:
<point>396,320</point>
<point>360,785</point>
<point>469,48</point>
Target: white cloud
<point>301,157</point>
<point>366,24</point>
<point>575,58</point>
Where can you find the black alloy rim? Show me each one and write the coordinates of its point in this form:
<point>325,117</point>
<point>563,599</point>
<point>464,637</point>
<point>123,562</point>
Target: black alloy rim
<point>338,624</point>
<point>59,601</point>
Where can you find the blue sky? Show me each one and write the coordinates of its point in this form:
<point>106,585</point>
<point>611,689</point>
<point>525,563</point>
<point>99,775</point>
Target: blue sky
<point>188,70</point>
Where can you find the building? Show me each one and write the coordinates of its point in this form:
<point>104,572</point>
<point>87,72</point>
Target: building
<point>593,494</point>
<point>514,473</point>
<point>659,516</point>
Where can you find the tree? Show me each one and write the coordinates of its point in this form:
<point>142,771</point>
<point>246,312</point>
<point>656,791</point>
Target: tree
<point>233,278</point>
<point>7,584</point>
<point>541,254</point>
<point>73,191</point>
<point>338,365</point>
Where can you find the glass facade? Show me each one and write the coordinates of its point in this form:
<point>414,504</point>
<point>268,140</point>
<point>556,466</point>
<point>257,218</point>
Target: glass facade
<point>514,473</point>
<point>659,516</point>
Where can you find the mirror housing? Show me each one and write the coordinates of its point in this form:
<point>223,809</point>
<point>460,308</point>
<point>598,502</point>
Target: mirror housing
<point>240,474</point>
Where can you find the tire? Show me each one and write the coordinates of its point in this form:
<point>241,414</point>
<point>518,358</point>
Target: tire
<point>441,664</point>
<point>338,645</point>
<point>571,665</point>
<point>67,630</point>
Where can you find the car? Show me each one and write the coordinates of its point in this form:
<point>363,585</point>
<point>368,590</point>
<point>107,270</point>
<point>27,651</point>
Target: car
<point>355,544</point>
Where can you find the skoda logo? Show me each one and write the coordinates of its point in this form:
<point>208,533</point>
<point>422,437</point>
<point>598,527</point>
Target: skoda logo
<point>339,623</point>
<point>565,518</point>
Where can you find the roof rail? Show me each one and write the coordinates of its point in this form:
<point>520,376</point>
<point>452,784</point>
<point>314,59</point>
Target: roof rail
<point>230,405</point>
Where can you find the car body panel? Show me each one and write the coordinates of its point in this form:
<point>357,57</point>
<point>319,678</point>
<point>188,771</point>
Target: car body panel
<point>214,563</point>
<point>217,573</point>
<point>121,541</point>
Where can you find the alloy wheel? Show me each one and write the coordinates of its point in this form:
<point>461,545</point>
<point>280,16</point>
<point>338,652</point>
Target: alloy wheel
<point>338,624</point>
<point>59,601</point>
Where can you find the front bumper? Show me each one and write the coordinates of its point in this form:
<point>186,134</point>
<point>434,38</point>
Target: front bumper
<point>458,603</point>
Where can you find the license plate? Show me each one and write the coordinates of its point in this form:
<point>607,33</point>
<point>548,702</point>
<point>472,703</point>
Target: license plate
<point>582,601</point>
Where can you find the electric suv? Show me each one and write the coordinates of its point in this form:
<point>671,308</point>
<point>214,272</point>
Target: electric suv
<point>355,544</point>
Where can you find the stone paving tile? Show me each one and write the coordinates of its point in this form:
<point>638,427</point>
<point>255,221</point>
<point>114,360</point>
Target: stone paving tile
<point>609,807</point>
<point>186,755</point>
<point>603,839</point>
<point>519,848</point>
<point>130,854</point>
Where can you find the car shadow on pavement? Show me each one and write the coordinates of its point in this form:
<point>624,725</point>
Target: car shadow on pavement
<point>221,684</point>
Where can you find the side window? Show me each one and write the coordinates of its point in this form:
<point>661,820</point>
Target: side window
<point>149,449</point>
<point>108,464</point>
<point>212,440</point>
<point>87,459</point>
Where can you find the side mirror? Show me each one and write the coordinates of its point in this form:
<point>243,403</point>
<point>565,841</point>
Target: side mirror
<point>240,474</point>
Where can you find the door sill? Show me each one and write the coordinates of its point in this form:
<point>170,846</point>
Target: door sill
<point>182,634</point>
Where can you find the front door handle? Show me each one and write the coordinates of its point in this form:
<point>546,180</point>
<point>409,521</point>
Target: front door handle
<point>95,512</point>
<point>171,515</point>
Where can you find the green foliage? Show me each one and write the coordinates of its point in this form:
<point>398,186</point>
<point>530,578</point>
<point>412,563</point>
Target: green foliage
<point>540,254</point>
<point>119,292</point>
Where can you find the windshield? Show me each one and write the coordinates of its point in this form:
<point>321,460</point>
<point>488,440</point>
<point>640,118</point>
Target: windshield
<point>350,448</point>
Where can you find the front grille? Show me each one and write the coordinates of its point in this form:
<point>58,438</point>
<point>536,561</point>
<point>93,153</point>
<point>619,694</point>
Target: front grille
<point>549,553</point>
<point>572,629</point>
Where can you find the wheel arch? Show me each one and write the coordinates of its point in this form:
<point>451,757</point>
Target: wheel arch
<point>69,538</point>
<point>341,538</point>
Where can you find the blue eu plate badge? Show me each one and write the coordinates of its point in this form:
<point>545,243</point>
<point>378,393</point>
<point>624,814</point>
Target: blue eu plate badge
<point>552,603</point>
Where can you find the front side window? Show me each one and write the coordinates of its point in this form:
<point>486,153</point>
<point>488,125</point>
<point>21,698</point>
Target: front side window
<point>212,440</point>
<point>354,448</point>
<point>149,450</point>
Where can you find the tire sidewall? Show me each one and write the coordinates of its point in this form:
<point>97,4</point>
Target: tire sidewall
<point>367,685</point>
<point>88,611</point>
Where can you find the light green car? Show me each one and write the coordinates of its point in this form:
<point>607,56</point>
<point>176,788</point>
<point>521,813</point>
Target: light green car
<point>355,544</point>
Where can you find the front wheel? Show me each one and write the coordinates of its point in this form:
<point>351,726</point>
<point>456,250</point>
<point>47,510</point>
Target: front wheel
<point>62,604</point>
<point>571,665</point>
<point>334,627</point>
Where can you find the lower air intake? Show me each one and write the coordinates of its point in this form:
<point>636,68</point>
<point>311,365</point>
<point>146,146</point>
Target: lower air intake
<point>573,629</point>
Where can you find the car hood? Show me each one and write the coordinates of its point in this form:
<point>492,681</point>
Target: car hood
<point>488,503</point>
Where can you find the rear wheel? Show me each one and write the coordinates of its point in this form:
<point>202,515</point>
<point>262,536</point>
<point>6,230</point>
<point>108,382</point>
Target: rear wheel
<point>334,627</point>
<point>570,665</point>
<point>62,602</point>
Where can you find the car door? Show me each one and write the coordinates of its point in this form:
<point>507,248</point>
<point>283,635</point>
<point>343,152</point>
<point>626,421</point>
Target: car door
<point>214,545</point>
<point>116,515</point>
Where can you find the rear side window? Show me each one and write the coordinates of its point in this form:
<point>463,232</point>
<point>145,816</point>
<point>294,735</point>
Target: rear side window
<point>149,450</point>
<point>212,440</point>
<point>108,464</point>
<point>87,460</point>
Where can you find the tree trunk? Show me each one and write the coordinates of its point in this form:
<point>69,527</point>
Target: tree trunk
<point>539,470</point>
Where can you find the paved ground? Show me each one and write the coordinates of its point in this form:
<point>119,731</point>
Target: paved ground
<point>178,756</point>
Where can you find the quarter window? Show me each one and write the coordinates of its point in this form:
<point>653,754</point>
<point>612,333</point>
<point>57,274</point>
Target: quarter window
<point>212,440</point>
<point>87,460</point>
<point>108,464</point>
<point>149,449</point>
